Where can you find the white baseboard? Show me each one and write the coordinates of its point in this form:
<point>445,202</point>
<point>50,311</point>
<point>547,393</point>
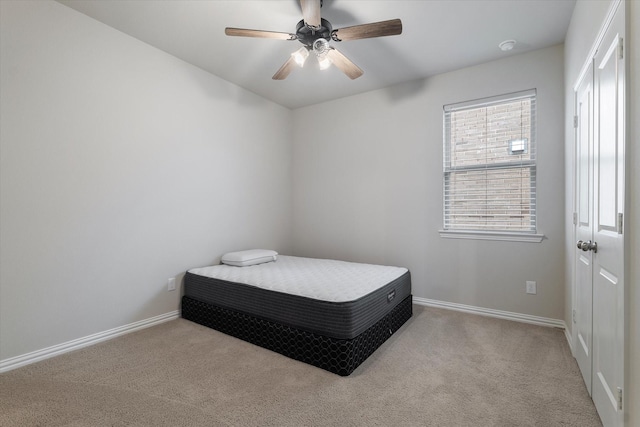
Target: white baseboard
<point>508,315</point>
<point>46,353</point>
<point>567,335</point>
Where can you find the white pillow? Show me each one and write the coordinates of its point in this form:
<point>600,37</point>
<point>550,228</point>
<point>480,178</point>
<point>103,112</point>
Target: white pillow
<point>249,257</point>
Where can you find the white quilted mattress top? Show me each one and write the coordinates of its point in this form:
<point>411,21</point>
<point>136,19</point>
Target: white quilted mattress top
<point>320,279</point>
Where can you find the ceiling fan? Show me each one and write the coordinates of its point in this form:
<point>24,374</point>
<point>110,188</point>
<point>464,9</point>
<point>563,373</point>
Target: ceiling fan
<point>315,33</point>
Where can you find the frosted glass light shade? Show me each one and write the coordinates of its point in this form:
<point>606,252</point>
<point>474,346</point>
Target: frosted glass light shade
<point>300,56</point>
<point>324,62</point>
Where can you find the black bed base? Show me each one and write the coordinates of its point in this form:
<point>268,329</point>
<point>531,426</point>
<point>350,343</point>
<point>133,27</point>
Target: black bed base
<point>340,356</point>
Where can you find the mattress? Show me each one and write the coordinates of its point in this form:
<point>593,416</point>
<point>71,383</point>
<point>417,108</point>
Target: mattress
<point>331,298</point>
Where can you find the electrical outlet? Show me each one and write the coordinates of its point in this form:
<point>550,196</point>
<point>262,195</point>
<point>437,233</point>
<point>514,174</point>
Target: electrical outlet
<point>531,287</point>
<point>171,284</point>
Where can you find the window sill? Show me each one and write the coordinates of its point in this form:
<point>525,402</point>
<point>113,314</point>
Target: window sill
<point>491,235</point>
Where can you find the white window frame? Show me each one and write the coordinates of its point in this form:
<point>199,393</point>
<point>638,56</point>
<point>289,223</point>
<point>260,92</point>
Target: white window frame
<point>530,235</point>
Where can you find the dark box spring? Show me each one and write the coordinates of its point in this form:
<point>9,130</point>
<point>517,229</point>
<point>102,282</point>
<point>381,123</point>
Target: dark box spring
<point>333,336</point>
<point>340,356</point>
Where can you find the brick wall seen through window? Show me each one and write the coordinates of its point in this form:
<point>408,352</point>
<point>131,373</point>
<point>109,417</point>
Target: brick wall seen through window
<point>490,164</point>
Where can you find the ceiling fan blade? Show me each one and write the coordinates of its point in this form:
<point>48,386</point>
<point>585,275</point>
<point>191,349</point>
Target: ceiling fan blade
<point>376,29</point>
<point>285,70</point>
<point>311,12</point>
<point>243,32</point>
<point>344,64</point>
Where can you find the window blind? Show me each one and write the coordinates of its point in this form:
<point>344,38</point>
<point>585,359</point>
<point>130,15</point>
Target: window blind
<point>490,164</point>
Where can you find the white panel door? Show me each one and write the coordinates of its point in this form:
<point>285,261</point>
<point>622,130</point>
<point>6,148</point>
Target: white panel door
<point>584,228</point>
<point>608,256</point>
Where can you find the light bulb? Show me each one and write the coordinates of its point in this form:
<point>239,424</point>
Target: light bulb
<point>324,61</point>
<point>300,56</point>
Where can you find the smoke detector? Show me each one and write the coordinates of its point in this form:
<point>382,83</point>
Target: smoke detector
<point>507,45</point>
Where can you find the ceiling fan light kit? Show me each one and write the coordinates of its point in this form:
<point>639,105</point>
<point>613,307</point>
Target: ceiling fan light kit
<point>321,49</point>
<point>315,33</point>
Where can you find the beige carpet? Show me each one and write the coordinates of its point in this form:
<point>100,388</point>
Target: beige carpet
<point>442,368</point>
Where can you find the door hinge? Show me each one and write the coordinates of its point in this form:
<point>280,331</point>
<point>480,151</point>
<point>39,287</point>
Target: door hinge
<point>574,316</point>
<point>575,218</point>
<point>619,399</point>
<point>620,222</point>
<point>575,122</point>
<point>620,49</point>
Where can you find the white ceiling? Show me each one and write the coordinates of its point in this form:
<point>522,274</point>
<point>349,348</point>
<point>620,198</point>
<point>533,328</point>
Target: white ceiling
<point>438,36</point>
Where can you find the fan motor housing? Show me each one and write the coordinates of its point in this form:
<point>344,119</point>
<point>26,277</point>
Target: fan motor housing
<point>307,35</point>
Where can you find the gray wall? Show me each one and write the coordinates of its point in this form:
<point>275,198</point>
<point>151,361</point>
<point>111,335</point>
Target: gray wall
<point>367,187</point>
<point>587,19</point>
<point>121,166</point>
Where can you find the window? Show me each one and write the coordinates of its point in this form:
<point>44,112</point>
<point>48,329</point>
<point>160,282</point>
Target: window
<point>490,168</point>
